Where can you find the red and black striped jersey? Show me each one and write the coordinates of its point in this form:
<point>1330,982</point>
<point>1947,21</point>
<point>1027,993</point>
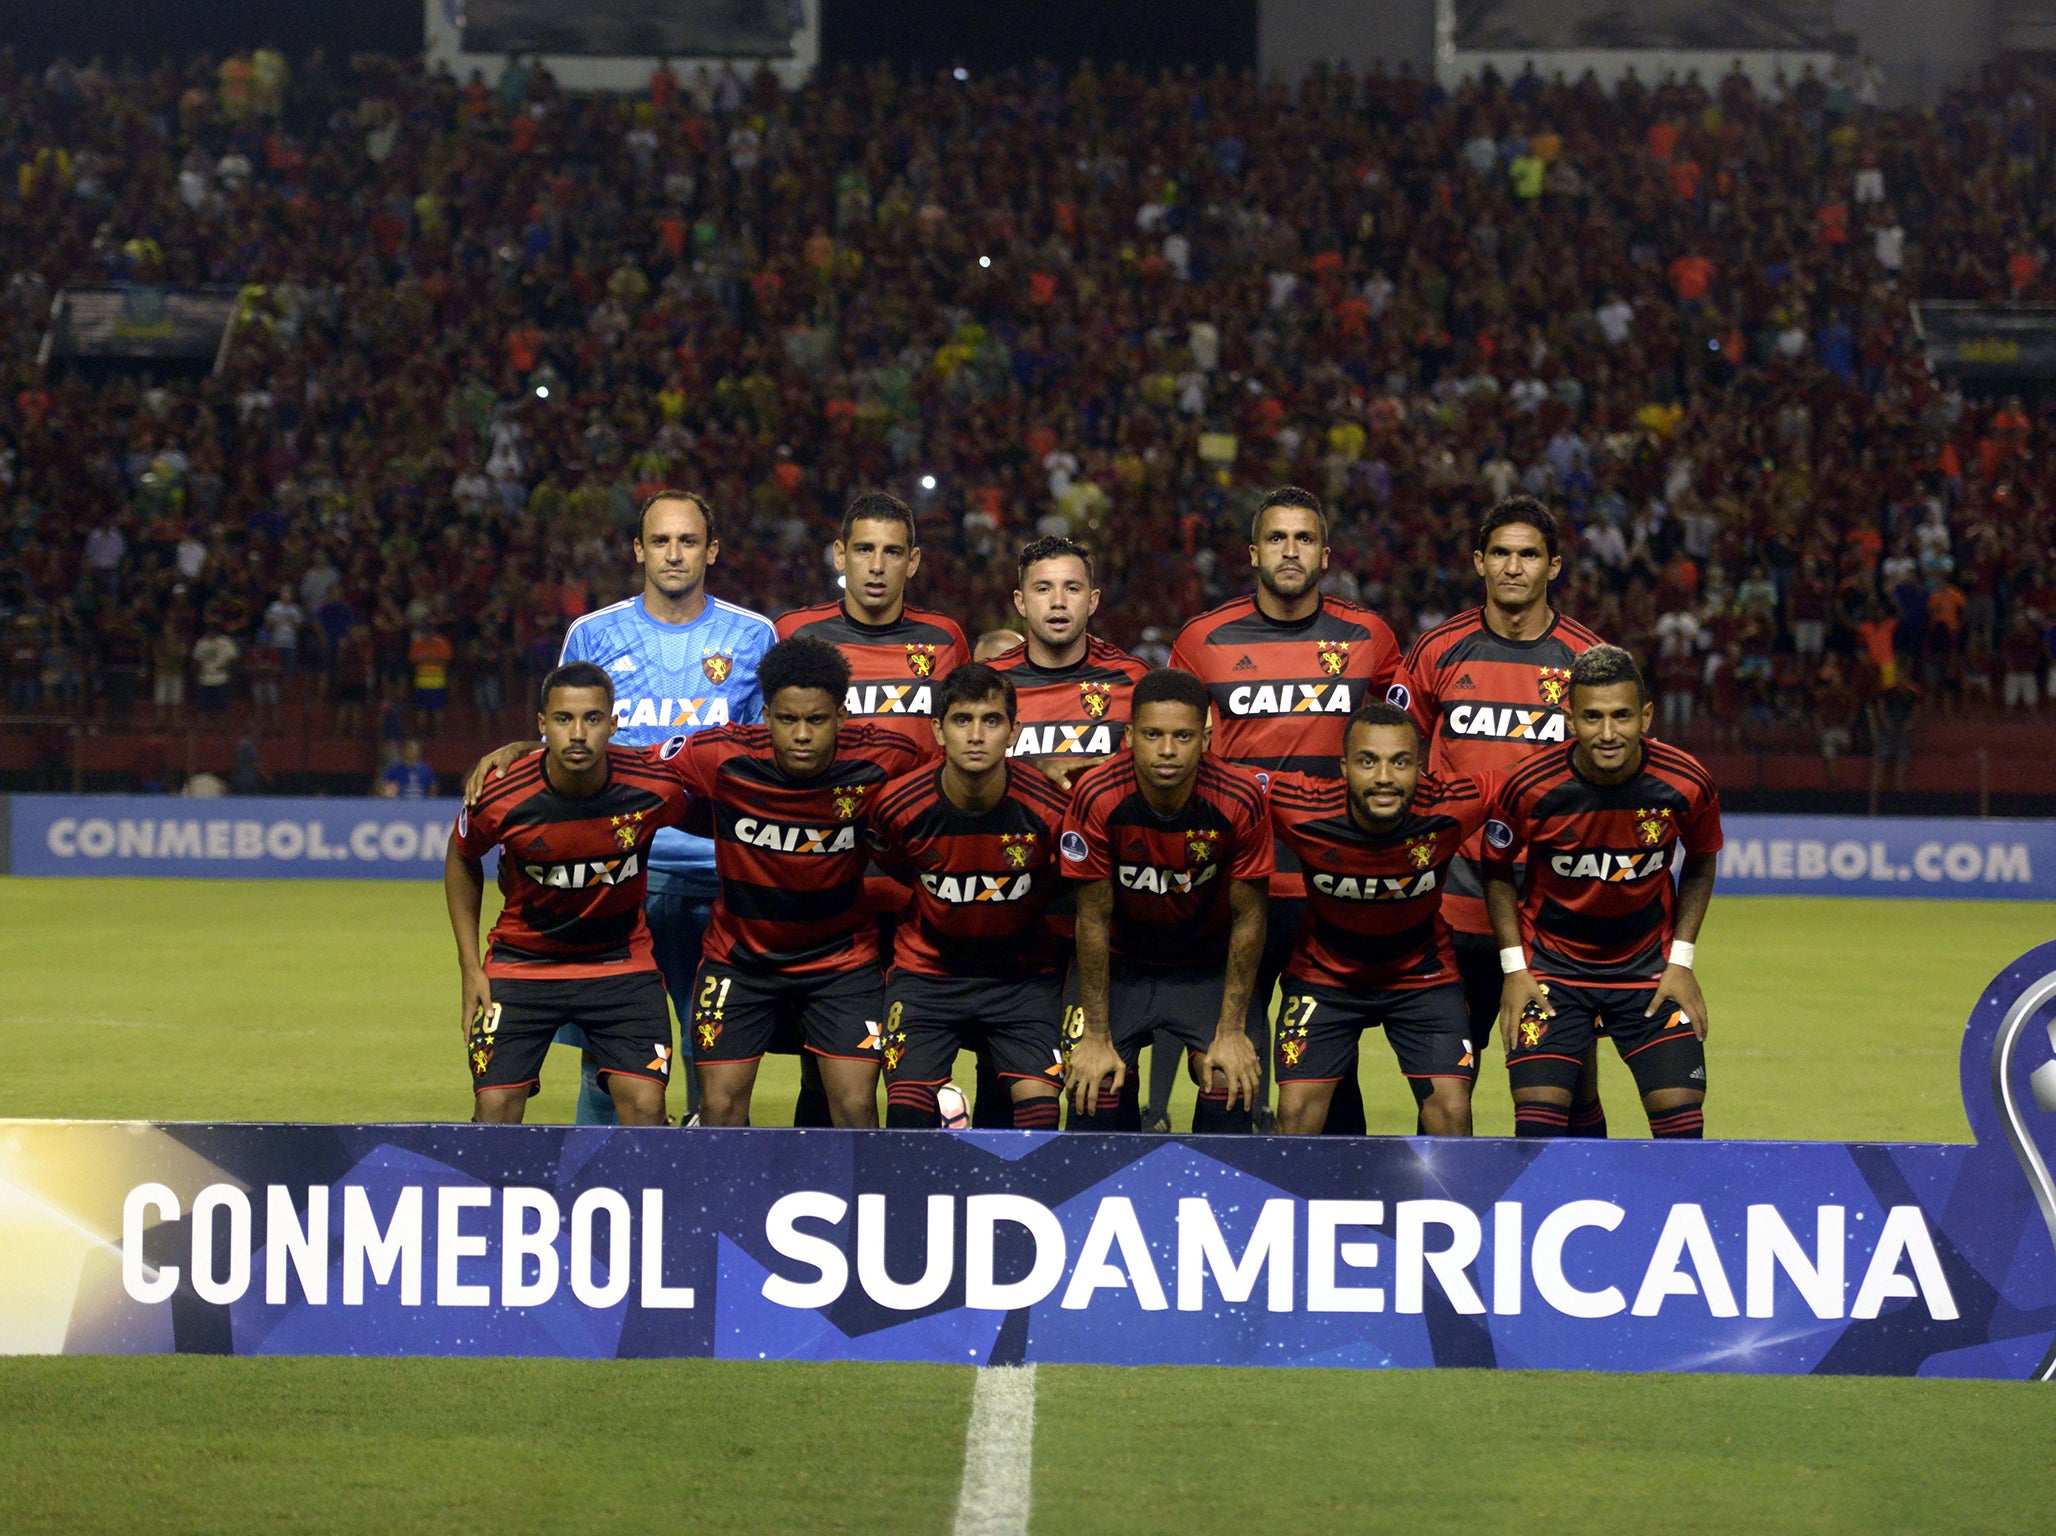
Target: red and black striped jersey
<point>1170,874</point>
<point>1283,691</point>
<point>1077,711</point>
<point>982,881</point>
<point>572,872</point>
<point>1494,701</point>
<point>1374,899</point>
<point>894,668</point>
<point>1597,900</point>
<point>790,852</point>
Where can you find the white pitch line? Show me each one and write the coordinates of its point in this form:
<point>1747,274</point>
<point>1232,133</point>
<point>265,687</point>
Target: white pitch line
<point>999,1453</point>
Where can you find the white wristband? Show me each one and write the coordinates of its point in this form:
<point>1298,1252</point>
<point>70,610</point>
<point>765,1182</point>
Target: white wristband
<point>1682,953</point>
<point>1511,959</point>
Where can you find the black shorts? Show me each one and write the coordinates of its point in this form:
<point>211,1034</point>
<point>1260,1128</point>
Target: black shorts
<point>1318,1030</point>
<point>626,1020</point>
<point>1141,999</point>
<point>738,1015</point>
<point>1662,1051</point>
<point>1013,1024</point>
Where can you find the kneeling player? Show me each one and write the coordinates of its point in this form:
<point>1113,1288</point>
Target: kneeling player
<point>1598,940</point>
<point>1174,849</point>
<point>975,966</point>
<point>574,826</point>
<point>1374,948</point>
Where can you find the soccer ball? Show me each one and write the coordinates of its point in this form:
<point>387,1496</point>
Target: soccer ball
<point>953,1107</point>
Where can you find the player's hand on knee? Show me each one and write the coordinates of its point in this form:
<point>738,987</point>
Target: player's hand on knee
<point>1517,994</point>
<point>476,998</point>
<point>1233,1058</point>
<point>1094,1062</point>
<point>1681,986</point>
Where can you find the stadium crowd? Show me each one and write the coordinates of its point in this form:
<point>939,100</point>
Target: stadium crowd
<point>482,319</point>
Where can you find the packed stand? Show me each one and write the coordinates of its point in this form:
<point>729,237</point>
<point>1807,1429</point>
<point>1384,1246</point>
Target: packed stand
<point>480,319</point>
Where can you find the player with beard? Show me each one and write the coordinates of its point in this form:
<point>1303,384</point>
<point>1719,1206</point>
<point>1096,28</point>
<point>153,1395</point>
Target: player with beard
<point>1285,668</point>
<point>975,963</point>
<point>1373,950</point>
<point>1597,939</point>
<point>682,660</point>
<point>574,825</point>
<point>1494,680</point>
<point>1173,849</point>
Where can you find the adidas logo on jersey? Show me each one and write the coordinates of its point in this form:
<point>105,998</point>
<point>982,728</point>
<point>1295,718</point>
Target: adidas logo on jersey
<point>621,665</point>
<point>781,837</point>
<point>1491,723</point>
<point>1245,665</point>
<point>585,872</point>
<point>890,699</point>
<point>961,889</point>
<point>1611,867</point>
<point>692,714</point>
<point>1056,740</point>
<point>1152,880</point>
<point>1291,699</point>
<point>1374,887</point>
<point>1464,685</point>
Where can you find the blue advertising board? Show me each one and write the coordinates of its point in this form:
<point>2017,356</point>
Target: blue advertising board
<point>1951,860</point>
<point>260,838</point>
<point>1008,1247</point>
<point>310,839</point>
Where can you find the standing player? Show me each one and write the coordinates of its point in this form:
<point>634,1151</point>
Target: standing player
<point>1285,668</point>
<point>1174,849</point>
<point>897,655</point>
<point>791,943</point>
<point>1374,948</point>
<point>574,826</point>
<point>1494,681</point>
<point>682,661</point>
<point>975,966</point>
<point>1073,685</point>
<point>1597,940</point>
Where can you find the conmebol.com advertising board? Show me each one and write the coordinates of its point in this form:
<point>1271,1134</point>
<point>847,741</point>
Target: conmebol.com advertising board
<point>237,839</point>
<point>307,839</point>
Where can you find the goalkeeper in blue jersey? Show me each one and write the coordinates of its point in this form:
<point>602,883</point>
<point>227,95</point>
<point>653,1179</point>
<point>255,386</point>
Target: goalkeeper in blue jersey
<point>680,661</point>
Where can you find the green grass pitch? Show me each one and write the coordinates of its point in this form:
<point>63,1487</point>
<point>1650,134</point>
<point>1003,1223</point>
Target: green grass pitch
<point>177,1000</point>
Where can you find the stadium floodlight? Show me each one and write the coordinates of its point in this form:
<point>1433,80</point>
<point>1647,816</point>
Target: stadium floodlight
<point>928,482</point>
<point>960,73</point>
<point>542,391</point>
<point>984,261</point>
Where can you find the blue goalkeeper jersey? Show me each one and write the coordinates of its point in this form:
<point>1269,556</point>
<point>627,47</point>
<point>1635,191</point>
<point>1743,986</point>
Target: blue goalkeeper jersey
<point>672,679</point>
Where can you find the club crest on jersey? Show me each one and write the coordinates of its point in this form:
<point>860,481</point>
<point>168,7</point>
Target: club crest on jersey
<point>1532,1029</point>
<point>848,802</point>
<point>1653,826</point>
<point>705,1032</point>
<point>1203,847</point>
<point>1334,656</point>
<point>921,660</point>
<point>481,1058</point>
<point>717,665</point>
<point>1096,698</point>
<point>626,830</point>
<point>1421,851</point>
<point>1554,684</point>
<point>1017,848</point>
